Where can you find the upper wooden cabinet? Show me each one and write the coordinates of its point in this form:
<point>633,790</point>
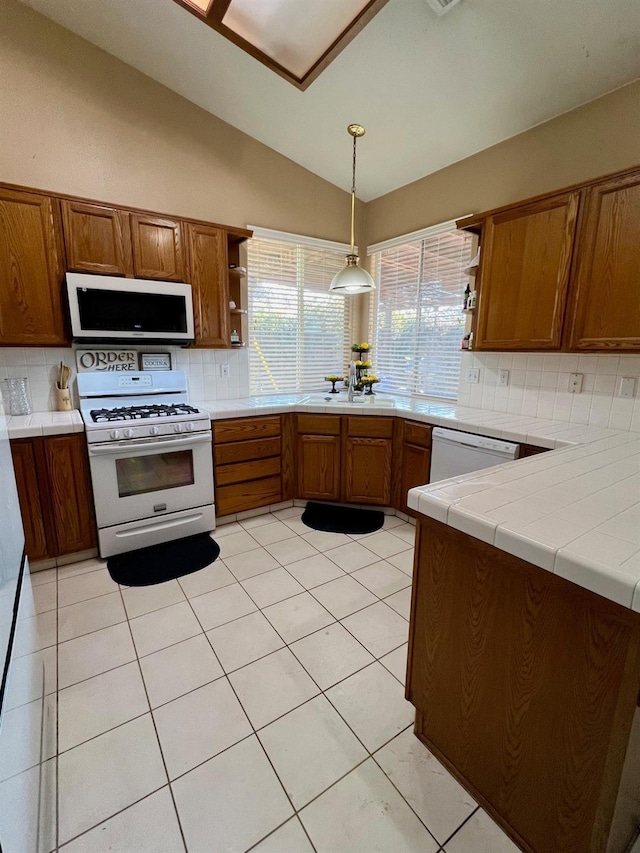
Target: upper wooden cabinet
<point>157,248</point>
<point>97,238</point>
<point>526,259</point>
<point>111,241</point>
<point>209,280</point>
<point>31,270</point>
<point>561,272</point>
<point>606,314</point>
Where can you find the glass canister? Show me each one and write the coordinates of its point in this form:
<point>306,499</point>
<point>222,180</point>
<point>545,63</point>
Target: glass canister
<point>15,395</point>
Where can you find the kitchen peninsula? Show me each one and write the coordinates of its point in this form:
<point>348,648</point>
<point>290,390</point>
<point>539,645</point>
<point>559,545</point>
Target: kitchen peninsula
<point>525,625</point>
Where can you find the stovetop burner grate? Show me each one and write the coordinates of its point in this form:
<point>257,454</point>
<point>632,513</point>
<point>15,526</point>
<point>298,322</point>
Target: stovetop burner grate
<point>135,413</point>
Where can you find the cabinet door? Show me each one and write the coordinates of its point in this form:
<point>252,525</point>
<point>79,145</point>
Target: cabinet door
<point>319,467</point>
<point>33,514</point>
<point>525,264</point>
<point>208,277</point>
<point>367,470</point>
<point>416,462</point>
<point>97,238</point>
<point>31,270</point>
<point>70,494</point>
<point>157,248</point>
<point>607,282</point>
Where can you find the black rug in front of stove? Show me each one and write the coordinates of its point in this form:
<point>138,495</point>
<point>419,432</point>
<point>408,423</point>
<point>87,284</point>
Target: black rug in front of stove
<point>163,562</point>
<point>342,519</point>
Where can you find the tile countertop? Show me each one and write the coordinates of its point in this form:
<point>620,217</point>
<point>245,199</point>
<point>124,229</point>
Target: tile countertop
<point>44,423</point>
<point>574,512</point>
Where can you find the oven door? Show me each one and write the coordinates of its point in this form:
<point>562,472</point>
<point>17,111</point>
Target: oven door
<point>147,478</point>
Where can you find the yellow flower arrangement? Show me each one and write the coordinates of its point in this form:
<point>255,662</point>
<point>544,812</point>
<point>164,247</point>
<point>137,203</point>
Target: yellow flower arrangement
<point>333,378</point>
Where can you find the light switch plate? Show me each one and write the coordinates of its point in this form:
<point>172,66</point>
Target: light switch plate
<point>473,375</point>
<point>224,371</point>
<point>575,383</point>
<point>503,377</point>
<point>627,387</point>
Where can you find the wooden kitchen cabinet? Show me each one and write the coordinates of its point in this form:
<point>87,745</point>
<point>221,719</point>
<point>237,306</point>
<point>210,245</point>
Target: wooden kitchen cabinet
<point>247,458</point>
<point>525,264</point>
<point>31,271</point>
<point>114,241</point>
<point>54,490</point>
<point>157,248</point>
<point>32,510</point>
<point>606,300</point>
<point>416,460</point>
<point>97,238</point>
<point>209,280</point>
<point>525,688</point>
<point>318,449</point>
<point>367,460</point>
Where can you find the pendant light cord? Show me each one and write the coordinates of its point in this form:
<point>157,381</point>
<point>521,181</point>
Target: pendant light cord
<point>353,198</point>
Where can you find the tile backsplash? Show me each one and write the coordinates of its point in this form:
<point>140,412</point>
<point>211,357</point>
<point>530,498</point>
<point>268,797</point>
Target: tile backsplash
<point>538,386</point>
<point>40,366</point>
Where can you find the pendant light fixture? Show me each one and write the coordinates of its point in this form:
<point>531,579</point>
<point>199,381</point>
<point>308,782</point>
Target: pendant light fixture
<point>353,279</point>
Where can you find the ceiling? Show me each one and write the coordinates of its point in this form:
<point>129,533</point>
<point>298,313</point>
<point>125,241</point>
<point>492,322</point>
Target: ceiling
<point>429,90</point>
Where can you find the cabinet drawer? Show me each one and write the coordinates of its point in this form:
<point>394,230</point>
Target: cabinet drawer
<point>242,496</point>
<point>369,427</point>
<point>243,451</point>
<point>319,424</point>
<point>240,472</point>
<point>239,429</point>
<point>417,434</point>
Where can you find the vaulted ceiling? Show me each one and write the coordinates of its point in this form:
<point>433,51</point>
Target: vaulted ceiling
<point>430,90</point>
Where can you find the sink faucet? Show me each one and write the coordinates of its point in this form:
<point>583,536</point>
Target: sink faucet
<point>352,381</point>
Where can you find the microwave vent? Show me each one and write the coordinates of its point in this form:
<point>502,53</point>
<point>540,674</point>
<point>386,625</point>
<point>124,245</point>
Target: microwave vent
<point>442,6</point>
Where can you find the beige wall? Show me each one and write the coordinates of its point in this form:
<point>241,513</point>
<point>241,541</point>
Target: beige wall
<point>74,119</point>
<point>600,137</point>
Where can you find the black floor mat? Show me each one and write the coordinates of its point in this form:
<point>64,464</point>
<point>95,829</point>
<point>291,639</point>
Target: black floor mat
<point>163,562</point>
<point>342,519</point>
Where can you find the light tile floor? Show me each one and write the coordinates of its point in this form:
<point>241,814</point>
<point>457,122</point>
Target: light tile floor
<point>255,705</point>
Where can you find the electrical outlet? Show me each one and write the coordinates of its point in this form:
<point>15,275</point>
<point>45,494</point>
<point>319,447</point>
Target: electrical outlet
<point>503,377</point>
<point>473,375</point>
<point>224,371</point>
<point>575,383</point>
<point>627,387</point>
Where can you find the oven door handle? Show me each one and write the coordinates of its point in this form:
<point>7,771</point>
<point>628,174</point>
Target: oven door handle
<point>141,444</point>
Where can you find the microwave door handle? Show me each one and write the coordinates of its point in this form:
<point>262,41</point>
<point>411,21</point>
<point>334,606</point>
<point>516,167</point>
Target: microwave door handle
<point>163,444</point>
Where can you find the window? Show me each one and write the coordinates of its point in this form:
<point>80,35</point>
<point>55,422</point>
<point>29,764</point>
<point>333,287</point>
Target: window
<point>419,321</point>
<point>298,331</point>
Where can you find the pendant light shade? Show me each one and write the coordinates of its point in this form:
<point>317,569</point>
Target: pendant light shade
<point>353,279</point>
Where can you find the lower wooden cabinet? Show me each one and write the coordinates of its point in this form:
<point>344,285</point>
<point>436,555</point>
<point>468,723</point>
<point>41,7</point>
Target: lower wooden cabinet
<point>54,490</point>
<point>247,459</point>
<point>416,460</point>
<point>319,467</point>
<point>347,459</point>
<point>367,460</point>
<point>359,459</point>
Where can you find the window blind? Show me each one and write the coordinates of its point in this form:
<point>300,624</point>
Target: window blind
<point>298,331</point>
<point>419,319</point>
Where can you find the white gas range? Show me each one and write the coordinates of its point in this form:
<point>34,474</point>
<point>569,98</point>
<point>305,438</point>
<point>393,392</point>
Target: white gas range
<point>150,457</point>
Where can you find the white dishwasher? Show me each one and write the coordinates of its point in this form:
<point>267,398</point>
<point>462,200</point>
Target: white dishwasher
<point>454,453</point>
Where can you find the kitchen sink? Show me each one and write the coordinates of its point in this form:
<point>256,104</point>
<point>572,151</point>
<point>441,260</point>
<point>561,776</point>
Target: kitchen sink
<point>339,399</point>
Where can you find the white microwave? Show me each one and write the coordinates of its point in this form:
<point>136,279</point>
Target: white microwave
<point>105,308</point>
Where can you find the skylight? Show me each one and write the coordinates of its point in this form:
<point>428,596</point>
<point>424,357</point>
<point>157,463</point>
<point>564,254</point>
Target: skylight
<point>295,38</point>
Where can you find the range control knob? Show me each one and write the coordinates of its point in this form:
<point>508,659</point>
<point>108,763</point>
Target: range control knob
<point>128,433</point>
<point>177,427</point>
<point>114,434</point>
<point>189,427</point>
<point>154,431</point>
